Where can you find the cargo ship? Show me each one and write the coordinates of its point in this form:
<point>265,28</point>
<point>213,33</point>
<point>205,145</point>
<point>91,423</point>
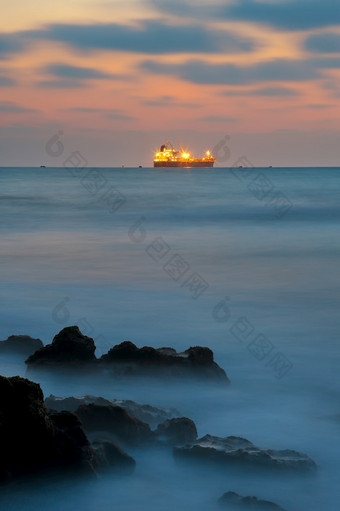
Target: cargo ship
<point>167,156</point>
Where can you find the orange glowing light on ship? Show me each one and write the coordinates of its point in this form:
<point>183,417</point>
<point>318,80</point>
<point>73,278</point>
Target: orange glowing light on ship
<point>167,156</point>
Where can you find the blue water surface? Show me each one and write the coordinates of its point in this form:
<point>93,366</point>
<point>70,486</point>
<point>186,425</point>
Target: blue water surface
<point>245,261</point>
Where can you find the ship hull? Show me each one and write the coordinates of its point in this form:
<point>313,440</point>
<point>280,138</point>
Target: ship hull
<point>183,164</point>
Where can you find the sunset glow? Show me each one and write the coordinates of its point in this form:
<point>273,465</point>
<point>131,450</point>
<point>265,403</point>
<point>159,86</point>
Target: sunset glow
<point>153,66</point>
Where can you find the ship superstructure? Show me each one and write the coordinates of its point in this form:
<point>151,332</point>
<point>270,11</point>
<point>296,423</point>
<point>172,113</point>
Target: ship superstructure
<point>167,156</point>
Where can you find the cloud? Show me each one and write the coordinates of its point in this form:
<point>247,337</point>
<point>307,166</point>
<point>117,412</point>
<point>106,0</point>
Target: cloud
<point>85,110</point>
<point>14,108</point>
<point>311,106</point>
<point>168,101</point>
<point>324,43</point>
<point>160,101</point>
<point>117,115</point>
<point>326,62</point>
<point>61,84</point>
<point>113,113</point>
<point>6,82</point>
<point>216,118</point>
<point>317,106</point>
<point>151,36</point>
<point>201,72</point>
<point>9,44</point>
<point>75,72</point>
<point>71,77</point>
<point>184,8</point>
<point>333,86</point>
<point>285,14</point>
<point>274,91</point>
<point>264,91</point>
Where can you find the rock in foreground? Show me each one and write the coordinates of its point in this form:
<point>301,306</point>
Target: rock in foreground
<point>20,344</point>
<point>239,451</point>
<point>34,442</point>
<point>233,501</point>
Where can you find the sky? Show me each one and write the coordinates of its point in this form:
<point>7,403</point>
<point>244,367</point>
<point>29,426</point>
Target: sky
<point>115,79</point>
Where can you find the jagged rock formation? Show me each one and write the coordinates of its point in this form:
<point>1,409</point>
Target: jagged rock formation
<point>197,362</point>
<point>73,350</point>
<point>69,347</point>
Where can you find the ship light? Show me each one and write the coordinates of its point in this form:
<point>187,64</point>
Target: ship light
<point>208,153</point>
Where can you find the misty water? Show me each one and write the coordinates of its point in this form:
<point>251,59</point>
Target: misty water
<point>98,248</point>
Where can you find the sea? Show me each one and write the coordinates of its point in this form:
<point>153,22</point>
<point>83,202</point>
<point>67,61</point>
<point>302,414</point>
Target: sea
<point>242,260</point>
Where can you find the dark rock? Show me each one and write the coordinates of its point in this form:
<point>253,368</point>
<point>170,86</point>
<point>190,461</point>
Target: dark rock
<point>31,441</point>
<point>198,362</point>
<point>146,413</point>
<point>177,431</point>
<point>199,355</point>
<point>168,351</point>
<point>73,444</point>
<point>127,352</point>
<point>115,421</point>
<point>234,501</point>
<point>72,403</point>
<point>69,347</point>
<point>72,350</point>
<point>152,415</point>
<point>113,457</point>
<point>123,352</point>
<point>20,344</point>
<point>239,451</point>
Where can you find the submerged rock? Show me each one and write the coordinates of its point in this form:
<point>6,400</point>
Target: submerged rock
<point>177,431</point>
<point>234,501</point>
<point>127,359</point>
<point>69,347</point>
<point>113,457</point>
<point>20,344</point>
<point>34,442</point>
<point>146,413</point>
<point>239,451</point>
<point>115,421</point>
